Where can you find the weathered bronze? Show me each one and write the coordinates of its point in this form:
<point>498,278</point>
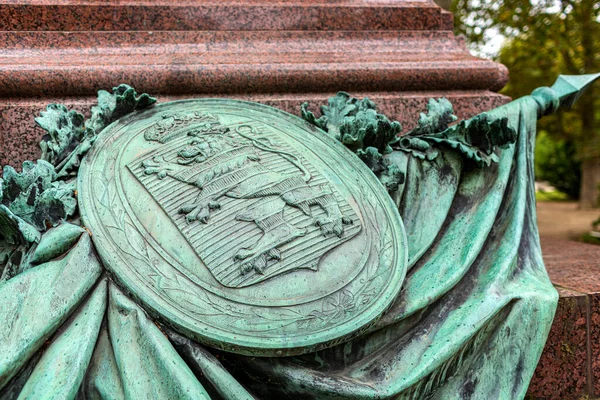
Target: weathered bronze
<point>230,250</point>
<point>243,226</point>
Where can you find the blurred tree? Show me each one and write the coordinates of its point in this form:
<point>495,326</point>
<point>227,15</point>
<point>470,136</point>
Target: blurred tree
<point>445,4</point>
<point>555,162</point>
<point>545,38</point>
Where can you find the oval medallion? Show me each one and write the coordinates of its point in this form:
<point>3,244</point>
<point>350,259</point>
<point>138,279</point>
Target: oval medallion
<point>242,226</point>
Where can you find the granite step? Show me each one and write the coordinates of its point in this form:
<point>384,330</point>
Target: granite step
<point>78,63</point>
<point>280,52</point>
<point>20,136</point>
<point>570,364</point>
<point>160,15</point>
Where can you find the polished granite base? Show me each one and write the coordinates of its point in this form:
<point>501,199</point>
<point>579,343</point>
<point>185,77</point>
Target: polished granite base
<point>20,136</point>
<point>570,365</point>
<point>279,52</point>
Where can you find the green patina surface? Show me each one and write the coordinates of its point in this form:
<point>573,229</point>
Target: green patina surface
<point>155,317</point>
<point>243,226</point>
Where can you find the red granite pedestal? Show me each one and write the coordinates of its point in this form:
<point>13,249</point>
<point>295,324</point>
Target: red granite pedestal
<point>281,52</point>
<point>570,365</point>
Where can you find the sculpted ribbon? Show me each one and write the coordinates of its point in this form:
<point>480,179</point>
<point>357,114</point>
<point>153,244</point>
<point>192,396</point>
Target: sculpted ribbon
<point>469,320</point>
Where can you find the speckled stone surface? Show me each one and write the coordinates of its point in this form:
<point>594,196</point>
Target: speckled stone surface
<point>595,340</point>
<point>115,15</point>
<point>570,365</point>
<point>279,52</point>
<point>563,370</point>
<point>19,136</point>
<point>572,264</point>
<point>78,63</point>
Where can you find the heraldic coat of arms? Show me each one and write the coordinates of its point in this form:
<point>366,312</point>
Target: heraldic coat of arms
<point>207,175</point>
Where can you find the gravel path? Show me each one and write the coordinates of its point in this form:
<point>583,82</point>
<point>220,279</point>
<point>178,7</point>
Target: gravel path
<point>564,220</point>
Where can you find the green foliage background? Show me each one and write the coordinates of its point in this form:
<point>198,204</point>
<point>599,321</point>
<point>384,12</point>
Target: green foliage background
<point>556,162</point>
<point>545,38</point>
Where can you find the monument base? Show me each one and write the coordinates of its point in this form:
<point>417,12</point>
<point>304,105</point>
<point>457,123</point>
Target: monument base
<point>570,364</point>
<point>399,53</point>
<point>19,136</point>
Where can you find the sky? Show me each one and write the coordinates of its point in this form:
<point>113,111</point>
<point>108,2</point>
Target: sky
<point>492,46</point>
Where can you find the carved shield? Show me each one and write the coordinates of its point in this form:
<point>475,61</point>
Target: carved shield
<point>242,226</point>
<point>238,181</point>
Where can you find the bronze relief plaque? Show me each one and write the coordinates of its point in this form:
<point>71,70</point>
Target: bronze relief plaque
<point>242,226</point>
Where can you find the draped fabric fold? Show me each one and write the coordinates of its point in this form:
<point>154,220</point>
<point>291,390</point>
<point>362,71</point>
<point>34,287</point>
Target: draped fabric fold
<point>60,371</point>
<point>36,302</point>
<point>149,366</point>
<point>431,185</point>
<point>470,321</point>
<point>102,380</point>
<point>475,308</point>
<point>209,370</point>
